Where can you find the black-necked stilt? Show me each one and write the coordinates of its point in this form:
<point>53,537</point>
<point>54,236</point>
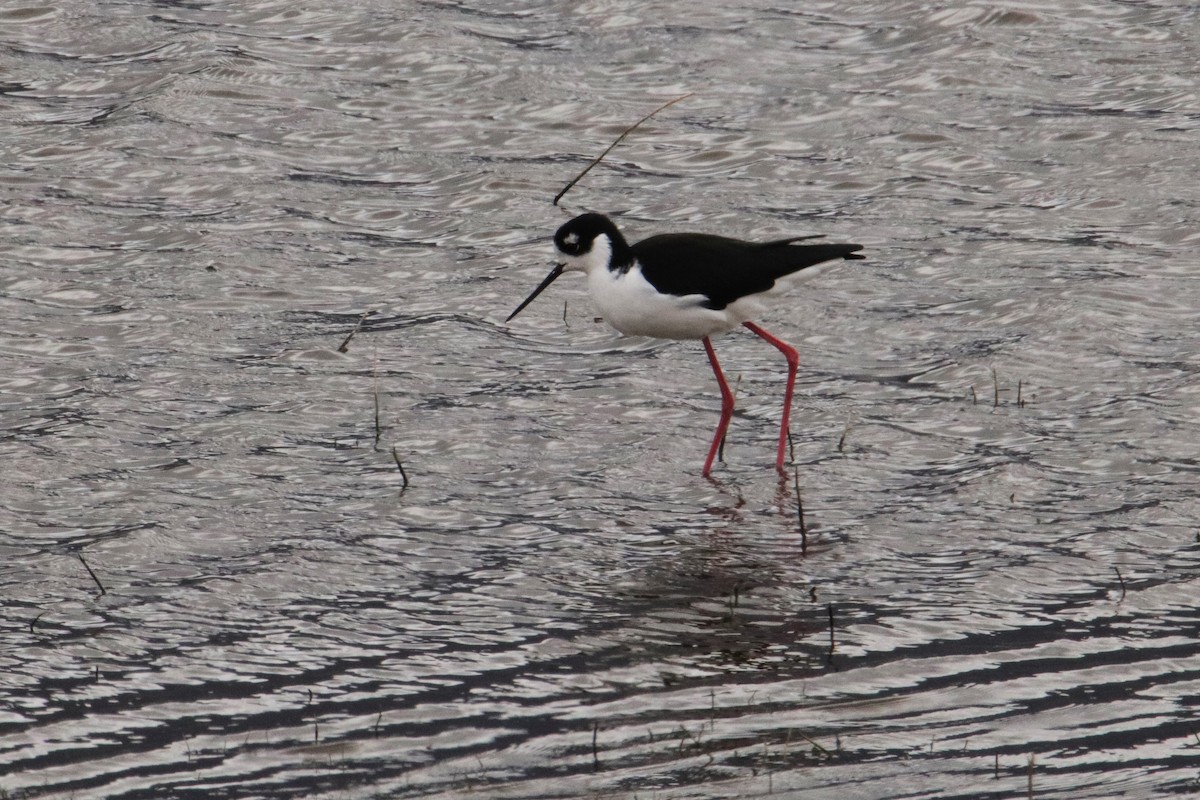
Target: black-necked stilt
<point>687,286</point>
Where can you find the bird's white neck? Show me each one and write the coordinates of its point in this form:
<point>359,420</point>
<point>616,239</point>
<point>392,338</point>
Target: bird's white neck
<point>596,258</point>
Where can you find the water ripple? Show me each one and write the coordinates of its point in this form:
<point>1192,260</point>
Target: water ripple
<point>993,436</point>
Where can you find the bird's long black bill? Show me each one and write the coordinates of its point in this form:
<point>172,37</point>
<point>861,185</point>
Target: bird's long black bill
<point>554,273</point>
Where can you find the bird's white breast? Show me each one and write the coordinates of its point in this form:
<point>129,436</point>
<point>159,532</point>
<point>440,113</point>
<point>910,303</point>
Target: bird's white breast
<point>634,307</point>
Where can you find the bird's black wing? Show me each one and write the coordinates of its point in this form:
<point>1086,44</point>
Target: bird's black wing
<point>724,269</point>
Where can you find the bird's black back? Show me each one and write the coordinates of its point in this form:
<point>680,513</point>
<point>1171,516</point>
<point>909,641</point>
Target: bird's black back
<point>725,269</point>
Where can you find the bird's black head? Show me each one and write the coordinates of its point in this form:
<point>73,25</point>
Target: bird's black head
<point>588,242</point>
<point>575,238</point>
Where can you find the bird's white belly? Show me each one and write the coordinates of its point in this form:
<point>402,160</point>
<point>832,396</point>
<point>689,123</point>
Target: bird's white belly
<point>634,307</point>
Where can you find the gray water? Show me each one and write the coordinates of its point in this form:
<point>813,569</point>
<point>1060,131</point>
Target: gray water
<point>996,438</point>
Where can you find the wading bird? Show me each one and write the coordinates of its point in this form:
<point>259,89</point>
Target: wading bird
<point>688,286</point>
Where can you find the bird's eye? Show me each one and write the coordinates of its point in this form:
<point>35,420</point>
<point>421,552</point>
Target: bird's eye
<point>570,244</point>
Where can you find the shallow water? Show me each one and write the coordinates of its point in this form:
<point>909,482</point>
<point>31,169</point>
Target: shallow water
<point>995,594</point>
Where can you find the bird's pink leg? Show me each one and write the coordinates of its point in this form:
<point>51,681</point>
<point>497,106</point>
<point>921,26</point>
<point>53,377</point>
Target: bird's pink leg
<point>726,407</point>
<point>793,360</point>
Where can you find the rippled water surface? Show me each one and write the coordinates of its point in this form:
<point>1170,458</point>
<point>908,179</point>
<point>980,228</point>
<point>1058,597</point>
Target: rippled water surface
<point>996,439</point>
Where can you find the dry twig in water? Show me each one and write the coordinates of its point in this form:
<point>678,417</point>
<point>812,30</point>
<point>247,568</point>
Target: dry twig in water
<point>103,591</point>
<point>607,150</point>
<point>800,513</point>
<point>842,440</point>
<point>399,466</point>
<point>831,643</point>
<point>344,347</point>
<point>378,424</point>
